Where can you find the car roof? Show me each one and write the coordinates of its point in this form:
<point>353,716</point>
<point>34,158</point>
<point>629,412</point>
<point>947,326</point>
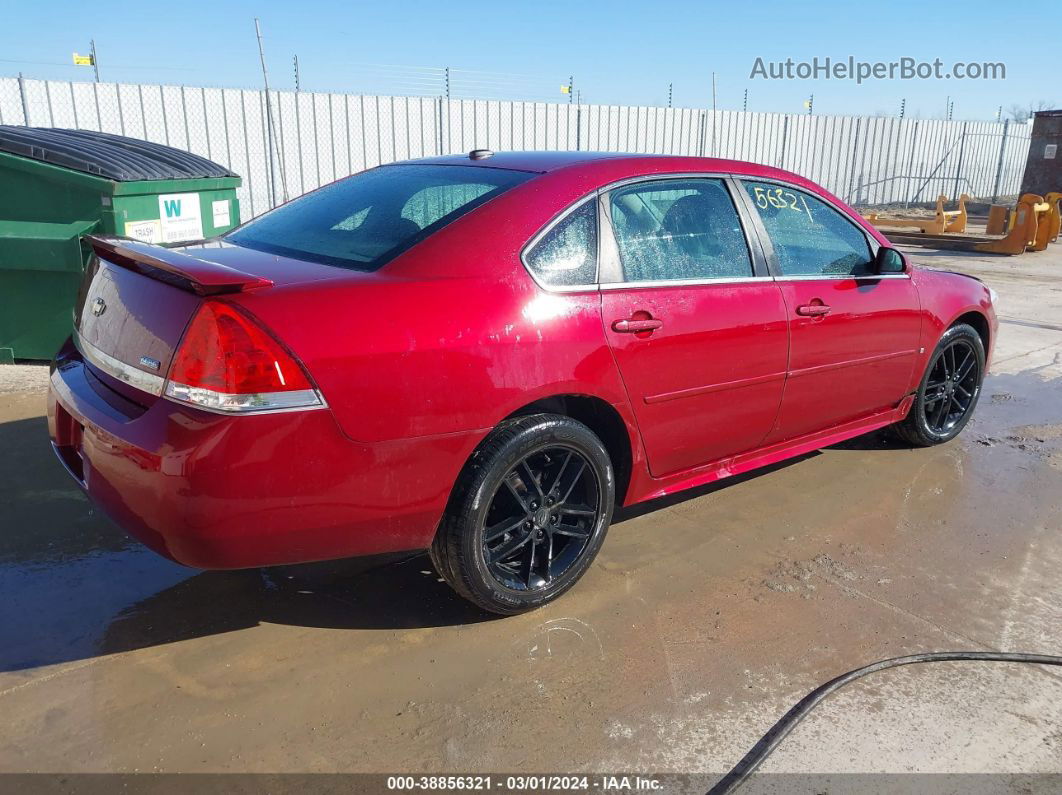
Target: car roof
<point>539,162</point>
<point>542,162</point>
<point>611,163</point>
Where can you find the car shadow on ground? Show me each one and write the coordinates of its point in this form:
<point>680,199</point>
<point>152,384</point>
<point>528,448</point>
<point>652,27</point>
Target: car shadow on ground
<point>875,440</point>
<point>76,587</point>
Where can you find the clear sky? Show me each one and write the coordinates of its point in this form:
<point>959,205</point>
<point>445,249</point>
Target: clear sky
<point>618,52</point>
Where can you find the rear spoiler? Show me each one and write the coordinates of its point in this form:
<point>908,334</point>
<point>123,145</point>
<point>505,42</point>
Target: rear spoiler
<point>174,267</point>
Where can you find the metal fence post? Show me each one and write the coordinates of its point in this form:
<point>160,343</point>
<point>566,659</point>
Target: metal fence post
<point>910,166</point>
<point>22,94</point>
<point>785,139</point>
<point>999,163</point>
<point>439,122</point>
<point>852,165</point>
<point>958,166</point>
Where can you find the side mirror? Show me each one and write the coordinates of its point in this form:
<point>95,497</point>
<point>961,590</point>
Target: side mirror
<point>889,260</point>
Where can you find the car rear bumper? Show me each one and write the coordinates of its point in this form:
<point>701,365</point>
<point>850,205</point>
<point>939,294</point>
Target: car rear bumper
<point>220,492</point>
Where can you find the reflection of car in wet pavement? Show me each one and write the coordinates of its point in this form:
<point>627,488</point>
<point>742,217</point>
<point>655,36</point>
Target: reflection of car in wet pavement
<point>484,355</point>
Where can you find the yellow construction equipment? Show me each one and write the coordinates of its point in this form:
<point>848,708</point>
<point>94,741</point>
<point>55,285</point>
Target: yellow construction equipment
<point>1054,214</point>
<point>1044,221</point>
<point>1025,232</point>
<point>998,218</point>
<point>944,221</point>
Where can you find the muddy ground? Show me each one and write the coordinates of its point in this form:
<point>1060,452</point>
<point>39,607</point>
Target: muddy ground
<point>703,619</point>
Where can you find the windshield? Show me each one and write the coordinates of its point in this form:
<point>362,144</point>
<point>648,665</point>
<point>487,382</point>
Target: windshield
<point>366,220</point>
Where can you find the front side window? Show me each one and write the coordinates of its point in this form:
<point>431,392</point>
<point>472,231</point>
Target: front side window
<point>679,229</point>
<point>566,255</point>
<point>366,220</point>
<point>810,238</point>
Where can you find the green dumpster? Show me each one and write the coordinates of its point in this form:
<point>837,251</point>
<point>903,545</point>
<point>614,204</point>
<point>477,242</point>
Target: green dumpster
<point>57,185</point>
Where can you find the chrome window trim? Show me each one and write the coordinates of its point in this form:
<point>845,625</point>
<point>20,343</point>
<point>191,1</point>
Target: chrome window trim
<point>600,194</point>
<point>728,186</point>
<point>622,183</point>
<point>722,280</point>
<point>545,230</point>
<point>126,373</point>
<point>730,179</point>
<point>872,242</point>
<point>806,277</point>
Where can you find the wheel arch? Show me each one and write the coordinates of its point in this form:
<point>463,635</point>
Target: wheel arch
<point>603,419</point>
<point>979,323</point>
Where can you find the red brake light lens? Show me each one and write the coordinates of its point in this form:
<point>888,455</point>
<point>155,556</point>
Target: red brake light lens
<point>227,362</point>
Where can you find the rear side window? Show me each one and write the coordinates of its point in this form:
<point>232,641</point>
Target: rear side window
<point>566,255</point>
<point>810,238</point>
<point>427,206</point>
<point>679,229</point>
<point>365,221</point>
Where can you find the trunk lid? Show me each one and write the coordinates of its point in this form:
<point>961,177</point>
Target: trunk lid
<point>128,324</point>
<point>136,301</point>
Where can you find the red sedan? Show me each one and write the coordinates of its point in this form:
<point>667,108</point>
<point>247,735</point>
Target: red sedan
<point>484,354</point>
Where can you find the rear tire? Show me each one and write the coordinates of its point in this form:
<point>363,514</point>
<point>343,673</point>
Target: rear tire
<point>949,390</point>
<point>528,514</point>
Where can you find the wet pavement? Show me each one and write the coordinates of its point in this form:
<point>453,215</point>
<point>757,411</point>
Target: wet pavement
<point>703,619</point>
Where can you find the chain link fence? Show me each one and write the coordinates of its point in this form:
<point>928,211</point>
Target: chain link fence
<point>315,138</point>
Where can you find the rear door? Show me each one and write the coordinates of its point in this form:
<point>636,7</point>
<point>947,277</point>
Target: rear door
<point>854,334</point>
<point>697,326</point>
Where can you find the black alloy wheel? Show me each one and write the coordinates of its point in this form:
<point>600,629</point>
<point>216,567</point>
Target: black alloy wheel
<point>540,518</point>
<point>949,389</point>
<point>528,514</point>
<point>954,378</point>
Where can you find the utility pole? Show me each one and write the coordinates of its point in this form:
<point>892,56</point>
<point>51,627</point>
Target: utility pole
<point>95,62</point>
<point>571,88</point>
<point>669,85</point>
<point>903,107</point>
<point>999,113</point>
<point>447,83</point>
<point>269,118</point>
<point>296,73</point>
<point>951,109</point>
<point>745,102</point>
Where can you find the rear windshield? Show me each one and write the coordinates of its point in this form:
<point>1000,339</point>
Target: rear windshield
<point>364,221</point>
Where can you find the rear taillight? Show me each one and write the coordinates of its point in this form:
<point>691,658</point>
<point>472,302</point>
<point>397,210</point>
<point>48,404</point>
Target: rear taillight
<point>227,362</point>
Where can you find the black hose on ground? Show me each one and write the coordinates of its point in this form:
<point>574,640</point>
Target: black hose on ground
<point>766,745</point>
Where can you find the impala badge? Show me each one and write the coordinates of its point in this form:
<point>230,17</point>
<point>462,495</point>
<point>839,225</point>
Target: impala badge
<point>99,306</point>
<point>147,361</point>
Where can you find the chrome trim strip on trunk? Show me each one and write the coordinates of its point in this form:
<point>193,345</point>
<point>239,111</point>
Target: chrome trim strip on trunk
<point>126,373</point>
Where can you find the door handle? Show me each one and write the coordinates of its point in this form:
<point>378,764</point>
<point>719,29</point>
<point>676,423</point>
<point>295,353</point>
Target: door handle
<point>635,326</point>
<point>812,310</point>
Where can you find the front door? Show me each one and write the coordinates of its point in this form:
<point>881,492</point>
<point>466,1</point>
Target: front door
<point>698,331</point>
<point>854,334</point>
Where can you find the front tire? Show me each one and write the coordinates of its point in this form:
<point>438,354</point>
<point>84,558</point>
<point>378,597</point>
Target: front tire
<point>528,514</point>
<point>949,390</point>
